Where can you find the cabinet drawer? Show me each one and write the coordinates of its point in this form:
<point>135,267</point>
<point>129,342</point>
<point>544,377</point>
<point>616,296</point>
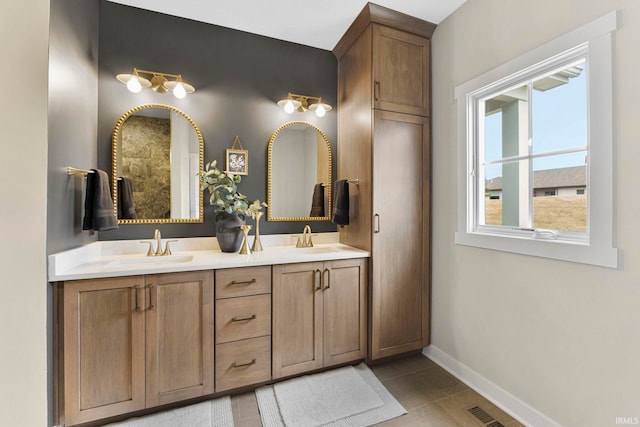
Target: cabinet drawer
<point>242,318</point>
<point>240,282</point>
<point>243,363</point>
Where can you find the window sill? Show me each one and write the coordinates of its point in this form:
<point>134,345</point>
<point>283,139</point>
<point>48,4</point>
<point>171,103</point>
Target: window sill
<point>553,249</point>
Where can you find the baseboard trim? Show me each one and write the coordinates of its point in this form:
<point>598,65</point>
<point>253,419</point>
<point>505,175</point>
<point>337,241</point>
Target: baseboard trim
<point>513,406</point>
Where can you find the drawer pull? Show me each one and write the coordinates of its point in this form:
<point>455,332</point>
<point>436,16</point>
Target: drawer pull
<point>240,365</point>
<point>245,282</point>
<point>242,319</point>
<point>151,306</point>
<point>137,301</point>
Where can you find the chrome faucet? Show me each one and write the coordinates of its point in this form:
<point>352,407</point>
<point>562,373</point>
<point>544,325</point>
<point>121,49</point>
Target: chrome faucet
<point>158,238</point>
<point>304,243</point>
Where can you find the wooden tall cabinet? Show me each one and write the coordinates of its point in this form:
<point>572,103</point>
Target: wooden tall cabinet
<point>319,315</point>
<point>384,142</point>
<point>130,343</point>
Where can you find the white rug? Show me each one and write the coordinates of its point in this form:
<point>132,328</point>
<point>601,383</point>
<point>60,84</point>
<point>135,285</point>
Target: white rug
<point>346,397</point>
<point>212,413</point>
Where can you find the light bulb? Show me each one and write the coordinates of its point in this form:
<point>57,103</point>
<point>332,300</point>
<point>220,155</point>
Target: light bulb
<point>320,111</point>
<point>179,91</point>
<point>288,107</point>
<point>134,85</point>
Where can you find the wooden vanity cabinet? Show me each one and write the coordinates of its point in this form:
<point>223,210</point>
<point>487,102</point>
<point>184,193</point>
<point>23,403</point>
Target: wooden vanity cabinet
<point>319,315</point>
<point>384,142</point>
<point>101,348</point>
<point>129,343</point>
<point>179,336</point>
<point>243,327</point>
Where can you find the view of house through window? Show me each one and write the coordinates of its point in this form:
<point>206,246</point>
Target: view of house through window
<point>533,152</point>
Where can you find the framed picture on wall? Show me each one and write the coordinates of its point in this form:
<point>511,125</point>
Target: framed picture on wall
<point>237,161</point>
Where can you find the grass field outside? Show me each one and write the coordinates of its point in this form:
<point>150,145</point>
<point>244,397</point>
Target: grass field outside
<point>568,213</point>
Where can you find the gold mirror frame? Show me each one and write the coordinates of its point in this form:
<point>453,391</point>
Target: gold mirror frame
<point>270,217</point>
<point>114,165</point>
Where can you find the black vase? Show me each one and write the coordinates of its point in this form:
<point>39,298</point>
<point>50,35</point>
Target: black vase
<point>228,231</point>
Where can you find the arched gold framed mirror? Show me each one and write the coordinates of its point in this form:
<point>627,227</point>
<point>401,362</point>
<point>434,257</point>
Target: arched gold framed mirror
<point>157,152</point>
<point>299,164</point>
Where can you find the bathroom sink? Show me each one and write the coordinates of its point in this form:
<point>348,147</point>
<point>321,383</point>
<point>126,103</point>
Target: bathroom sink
<point>153,260</point>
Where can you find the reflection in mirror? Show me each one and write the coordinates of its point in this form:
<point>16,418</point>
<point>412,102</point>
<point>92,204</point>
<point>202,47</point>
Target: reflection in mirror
<point>299,174</point>
<point>157,151</point>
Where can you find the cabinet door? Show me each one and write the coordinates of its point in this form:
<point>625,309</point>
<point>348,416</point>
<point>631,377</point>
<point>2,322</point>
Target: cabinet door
<point>344,291</point>
<point>103,348</point>
<point>297,318</point>
<point>401,71</point>
<point>179,334</point>
<point>400,281</point>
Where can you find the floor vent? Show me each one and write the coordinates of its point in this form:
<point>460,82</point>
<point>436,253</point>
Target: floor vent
<point>484,418</point>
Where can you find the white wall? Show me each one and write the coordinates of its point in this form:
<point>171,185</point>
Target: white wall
<point>562,337</point>
<point>24,40</point>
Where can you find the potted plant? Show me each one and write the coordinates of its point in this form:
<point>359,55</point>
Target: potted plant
<point>230,206</point>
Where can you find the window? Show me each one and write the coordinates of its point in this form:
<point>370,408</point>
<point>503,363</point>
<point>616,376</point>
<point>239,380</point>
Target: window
<point>532,131</point>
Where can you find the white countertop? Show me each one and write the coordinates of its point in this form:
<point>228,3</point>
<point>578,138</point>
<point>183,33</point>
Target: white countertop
<point>128,258</point>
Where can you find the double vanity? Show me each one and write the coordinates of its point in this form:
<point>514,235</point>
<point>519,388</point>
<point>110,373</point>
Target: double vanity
<point>135,332</point>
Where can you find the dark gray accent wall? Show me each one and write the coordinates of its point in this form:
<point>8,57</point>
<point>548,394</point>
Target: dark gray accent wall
<point>73,118</point>
<point>238,78</point>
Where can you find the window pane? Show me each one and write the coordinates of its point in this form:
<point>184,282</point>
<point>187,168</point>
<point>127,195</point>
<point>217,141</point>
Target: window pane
<point>559,109</point>
<point>560,196</point>
<point>506,131</point>
<point>506,194</point>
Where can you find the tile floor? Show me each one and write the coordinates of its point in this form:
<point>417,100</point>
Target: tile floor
<point>432,396</point>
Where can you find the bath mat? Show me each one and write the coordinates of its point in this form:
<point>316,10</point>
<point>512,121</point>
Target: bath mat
<point>276,412</point>
<point>212,413</point>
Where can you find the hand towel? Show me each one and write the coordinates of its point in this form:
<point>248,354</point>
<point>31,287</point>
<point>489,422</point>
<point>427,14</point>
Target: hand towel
<point>317,201</point>
<point>126,209</point>
<point>98,206</point>
<point>341,202</point>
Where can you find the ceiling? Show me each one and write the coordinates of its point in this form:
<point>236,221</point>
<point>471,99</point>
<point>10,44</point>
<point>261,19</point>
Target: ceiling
<point>319,23</point>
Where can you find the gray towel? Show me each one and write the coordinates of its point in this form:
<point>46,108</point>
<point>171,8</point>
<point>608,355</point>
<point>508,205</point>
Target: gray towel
<point>98,206</point>
<point>341,202</point>
<point>317,201</point>
<point>126,209</point>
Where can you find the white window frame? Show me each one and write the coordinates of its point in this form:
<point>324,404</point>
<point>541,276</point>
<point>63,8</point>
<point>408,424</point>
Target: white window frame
<point>597,246</point>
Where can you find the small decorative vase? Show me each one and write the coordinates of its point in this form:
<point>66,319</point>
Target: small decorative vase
<point>245,243</point>
<point>257,245</point>
<point>228,231</point>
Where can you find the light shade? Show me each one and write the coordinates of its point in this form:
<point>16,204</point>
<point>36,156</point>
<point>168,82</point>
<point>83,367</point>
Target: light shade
<point>134,82</point>
<point>171,85</point>
<point>289,104</point>
<point>320,108</point>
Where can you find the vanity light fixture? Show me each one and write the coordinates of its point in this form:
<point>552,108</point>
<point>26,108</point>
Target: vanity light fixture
<point>159,82</point>
<point>301,103</point>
